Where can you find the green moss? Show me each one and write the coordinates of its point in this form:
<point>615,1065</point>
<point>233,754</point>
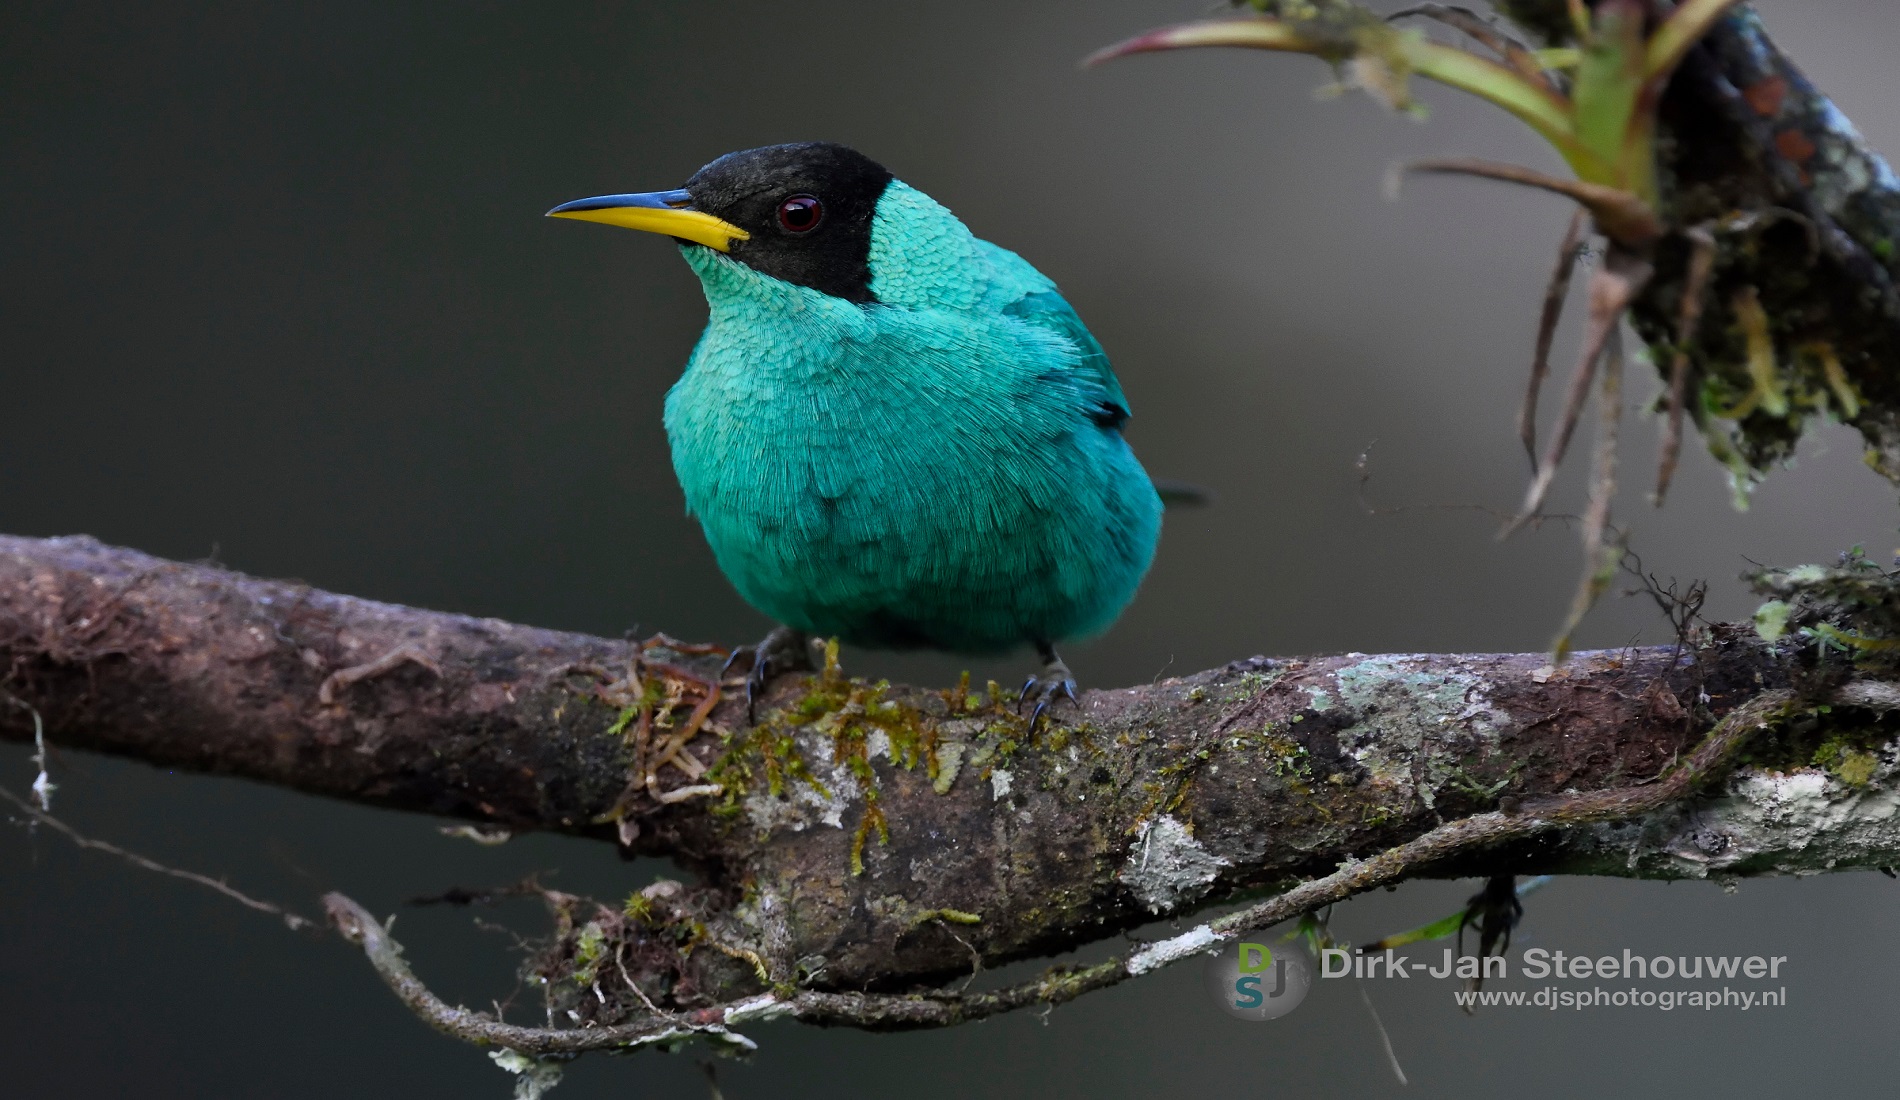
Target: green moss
<point>1250,685</point>
<point>1844,761</point>
<point>954,916</point>
<point>1763,378</point>
<point>627,715</point>
<point>770,748</point>
<point>1462,780</point>
<point>1856,769</point>
<point>1378,816</point>
<point>1852,641</point>
<point>1852,608</point>
<point>590,948</point>
<point>638,908</point>
<point>850,714</point>
<point>873,819</point>
<point>1290,758</point>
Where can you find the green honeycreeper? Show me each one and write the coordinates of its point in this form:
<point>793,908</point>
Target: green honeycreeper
<point>891,431</point>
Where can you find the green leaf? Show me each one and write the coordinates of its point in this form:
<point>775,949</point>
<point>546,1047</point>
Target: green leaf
<point>1608,83</point>
<point>1539,108</point>
<point>1558,59</point>
<point>1437,930</point>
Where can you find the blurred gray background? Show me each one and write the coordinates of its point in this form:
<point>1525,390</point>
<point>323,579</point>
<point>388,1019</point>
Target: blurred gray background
<point>275,288</point>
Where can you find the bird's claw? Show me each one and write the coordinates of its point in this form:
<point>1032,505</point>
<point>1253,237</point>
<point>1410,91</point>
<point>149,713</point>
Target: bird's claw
<point>783,650</point>
<point>1053,683</point>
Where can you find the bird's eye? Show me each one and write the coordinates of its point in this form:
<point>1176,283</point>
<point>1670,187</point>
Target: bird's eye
<point>800,213</point>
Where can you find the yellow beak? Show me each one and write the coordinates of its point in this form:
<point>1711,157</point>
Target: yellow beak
<point>667,212</point>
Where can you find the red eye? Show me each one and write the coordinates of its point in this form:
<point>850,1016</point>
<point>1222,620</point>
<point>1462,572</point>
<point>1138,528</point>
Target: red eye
<point>800,213</point>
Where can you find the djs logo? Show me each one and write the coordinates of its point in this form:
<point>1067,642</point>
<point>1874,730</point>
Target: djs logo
<point>1252,981</point>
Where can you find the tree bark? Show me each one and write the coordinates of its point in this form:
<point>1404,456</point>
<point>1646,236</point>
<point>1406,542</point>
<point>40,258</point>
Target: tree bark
<point>911,834</point>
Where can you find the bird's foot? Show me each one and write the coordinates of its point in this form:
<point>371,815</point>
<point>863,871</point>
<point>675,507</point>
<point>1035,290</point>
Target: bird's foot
<point>1054,682</point>
<point>1495,911</point>
<point>783,650</point>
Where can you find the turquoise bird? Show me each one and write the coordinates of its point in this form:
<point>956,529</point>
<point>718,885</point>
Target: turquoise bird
<point>891,431</point>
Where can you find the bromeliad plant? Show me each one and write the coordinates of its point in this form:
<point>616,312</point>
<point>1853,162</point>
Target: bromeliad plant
<point>1596,103</point>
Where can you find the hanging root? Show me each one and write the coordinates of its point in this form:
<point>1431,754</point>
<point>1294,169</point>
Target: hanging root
<point>1612,287</point>
<point>1554,295</point>
<point>1600,558</point>
<point>1701,264</point>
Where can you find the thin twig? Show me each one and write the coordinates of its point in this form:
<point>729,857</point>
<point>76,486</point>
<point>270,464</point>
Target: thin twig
<point>292,919</point>
<point>528,887</point>
<point>671,751</point>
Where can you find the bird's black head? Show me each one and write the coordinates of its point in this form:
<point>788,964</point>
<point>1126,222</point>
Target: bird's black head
<point>801,213</point>
<point>808,208</point>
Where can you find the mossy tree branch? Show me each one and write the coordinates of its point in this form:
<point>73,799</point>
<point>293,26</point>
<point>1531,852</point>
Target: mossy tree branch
<point>869,843</point>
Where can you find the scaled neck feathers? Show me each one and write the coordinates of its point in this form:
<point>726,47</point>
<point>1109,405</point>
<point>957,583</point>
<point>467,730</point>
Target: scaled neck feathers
<point>922,257</point>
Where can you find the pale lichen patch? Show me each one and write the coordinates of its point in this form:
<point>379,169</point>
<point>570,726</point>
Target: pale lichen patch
<point>1795,822</point>
<point>802,804</point>
<point>1157,955</point>
<point>1405,702</point>
<point>761,1008</point>
<point>1781,817</point>
<point>763,918</point>
<point>1167,867</point>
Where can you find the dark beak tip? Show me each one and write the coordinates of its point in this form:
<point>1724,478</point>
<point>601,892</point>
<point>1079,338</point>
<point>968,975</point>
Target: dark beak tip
<point>660,200</point>
<point>576,204</point>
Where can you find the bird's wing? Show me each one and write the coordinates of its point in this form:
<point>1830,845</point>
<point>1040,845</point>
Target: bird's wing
<point>1030,296</point>
<point>1048,309</point>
